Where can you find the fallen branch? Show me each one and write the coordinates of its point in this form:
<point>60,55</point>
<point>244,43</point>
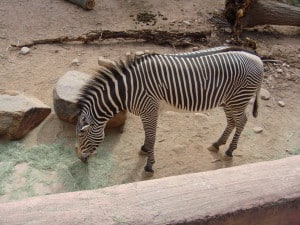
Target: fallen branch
<point>159,37</point>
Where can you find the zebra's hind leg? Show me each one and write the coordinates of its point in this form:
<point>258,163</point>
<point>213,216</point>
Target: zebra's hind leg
<point>149,121</point>
<point>240,119</point>
<point>224,137</point>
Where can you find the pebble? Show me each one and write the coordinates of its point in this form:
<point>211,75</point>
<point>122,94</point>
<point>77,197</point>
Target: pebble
<point>75,62</point>
<point>227,30</point>
<point>195,48</point>
<point>279,70</point>
<point>252,100</point>
<point>286,65</point>
<point>281,103</point>
<point>257,129</point>
<point>105,62</point>
<point>187,23</point>
<point>139,53</point>
<point>128,56</point>
<point>265,94</point>
<point>24,50</point>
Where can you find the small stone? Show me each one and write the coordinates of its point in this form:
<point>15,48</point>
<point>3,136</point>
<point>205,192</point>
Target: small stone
<point>195,48</point>
<point>128,56</point>
<point>227,30</point>
<point>105,62</point>
<point>251,100</point>
<point>284,64</point>
<point>139,53</point>
<point>281,103</point>
<point>257,129</point>
<point>278,70</point>
<point>186,22</point>
<point>75,62</point>
<point>265,94</point>
<point>24,50</point>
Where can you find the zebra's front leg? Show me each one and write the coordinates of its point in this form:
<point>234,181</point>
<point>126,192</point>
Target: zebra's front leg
<point>224,137</point>
<point>149,121</point>
<point>240,121</point>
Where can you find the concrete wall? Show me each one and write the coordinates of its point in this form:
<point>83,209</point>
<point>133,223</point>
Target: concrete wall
<point>265,193</point>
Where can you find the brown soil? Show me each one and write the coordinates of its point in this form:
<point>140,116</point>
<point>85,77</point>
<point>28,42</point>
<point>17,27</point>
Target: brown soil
<point>182,138</point>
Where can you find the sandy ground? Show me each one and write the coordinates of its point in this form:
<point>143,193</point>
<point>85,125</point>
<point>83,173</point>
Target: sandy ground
<point>182,138</point>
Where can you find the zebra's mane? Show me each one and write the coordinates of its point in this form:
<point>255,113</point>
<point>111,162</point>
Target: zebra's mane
<point>106,73</point>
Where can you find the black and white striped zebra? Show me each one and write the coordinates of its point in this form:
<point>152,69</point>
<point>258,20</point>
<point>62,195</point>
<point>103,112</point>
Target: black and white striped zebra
<point>195,81</point>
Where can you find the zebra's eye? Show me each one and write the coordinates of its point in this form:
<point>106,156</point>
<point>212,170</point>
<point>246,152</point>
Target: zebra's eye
<point>84,128</point>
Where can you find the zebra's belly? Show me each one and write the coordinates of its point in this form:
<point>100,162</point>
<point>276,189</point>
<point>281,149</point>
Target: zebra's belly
<point>202,101</point>
<point>168,106</point>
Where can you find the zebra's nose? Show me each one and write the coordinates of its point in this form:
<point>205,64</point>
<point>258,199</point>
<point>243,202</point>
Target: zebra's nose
<point>84,159</point>
<point>79,154</point>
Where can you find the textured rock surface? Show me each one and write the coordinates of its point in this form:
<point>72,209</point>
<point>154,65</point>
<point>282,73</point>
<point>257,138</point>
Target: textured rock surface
<point>65,95</point>
<point>261,193</point>
<point>19,114</point>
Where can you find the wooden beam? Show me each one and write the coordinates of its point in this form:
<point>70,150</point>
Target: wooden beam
<point>263,193</point>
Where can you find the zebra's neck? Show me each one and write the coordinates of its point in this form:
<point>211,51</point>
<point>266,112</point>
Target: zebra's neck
<point>103,95</point>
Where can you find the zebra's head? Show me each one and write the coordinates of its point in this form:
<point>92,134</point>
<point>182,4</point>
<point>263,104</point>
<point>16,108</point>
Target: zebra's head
<point>89,135</point>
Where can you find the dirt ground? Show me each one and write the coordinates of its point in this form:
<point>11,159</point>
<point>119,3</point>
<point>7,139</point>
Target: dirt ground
<point>182,138</point>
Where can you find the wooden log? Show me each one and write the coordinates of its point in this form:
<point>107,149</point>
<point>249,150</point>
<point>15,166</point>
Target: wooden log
<point>272,13</point>
<point>86,4</point>
<point>265,193</point>
<point>249,13</point>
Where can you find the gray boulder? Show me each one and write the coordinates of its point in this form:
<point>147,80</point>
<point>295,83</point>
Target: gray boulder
<point>65,95</point>
<point>19,114</point>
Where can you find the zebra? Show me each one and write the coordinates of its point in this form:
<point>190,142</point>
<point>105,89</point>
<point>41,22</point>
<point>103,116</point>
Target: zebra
<point>224,76</point>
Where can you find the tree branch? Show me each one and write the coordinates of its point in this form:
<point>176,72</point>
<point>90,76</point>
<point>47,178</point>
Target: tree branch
<point>159,37</point>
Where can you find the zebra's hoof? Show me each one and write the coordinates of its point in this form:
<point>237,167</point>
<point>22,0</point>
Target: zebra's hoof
<point>213,148</point>
<point>148,169</point>
<point>227,158</point>
<point>229,153</point>
<point>147,175</point>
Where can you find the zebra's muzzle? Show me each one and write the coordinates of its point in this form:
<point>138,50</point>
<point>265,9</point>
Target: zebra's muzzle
<point>84,154</point>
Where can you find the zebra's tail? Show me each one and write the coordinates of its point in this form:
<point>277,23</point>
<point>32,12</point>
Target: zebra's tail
<point>256,103</point>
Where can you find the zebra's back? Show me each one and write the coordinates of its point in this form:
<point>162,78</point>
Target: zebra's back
<point>194,83</point>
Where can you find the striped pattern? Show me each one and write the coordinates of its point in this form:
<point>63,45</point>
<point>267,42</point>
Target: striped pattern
<point>195,81</point>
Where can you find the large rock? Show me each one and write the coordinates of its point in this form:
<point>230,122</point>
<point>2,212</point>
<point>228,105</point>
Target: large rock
<point>19,114</point>
<point>65,95</point>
